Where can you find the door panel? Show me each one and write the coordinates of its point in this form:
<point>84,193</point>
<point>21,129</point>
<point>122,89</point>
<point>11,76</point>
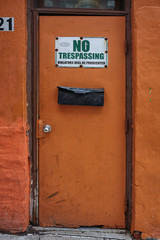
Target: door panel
<point>82,160</point>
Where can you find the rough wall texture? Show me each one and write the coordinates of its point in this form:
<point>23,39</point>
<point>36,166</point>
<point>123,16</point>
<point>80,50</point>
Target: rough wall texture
<point>146,86</point>
<point>14,168</point>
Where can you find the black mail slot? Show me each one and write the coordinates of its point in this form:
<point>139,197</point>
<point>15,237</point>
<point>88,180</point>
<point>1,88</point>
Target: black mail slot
<point>81,96</point>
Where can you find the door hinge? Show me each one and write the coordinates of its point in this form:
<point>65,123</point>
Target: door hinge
<point>126,206</point>
<point>40,132</point>
<point>126,46</point>
<point>126,125</point>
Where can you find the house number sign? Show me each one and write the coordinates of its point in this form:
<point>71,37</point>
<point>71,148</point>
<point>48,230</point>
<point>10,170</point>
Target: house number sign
<point>6,24</point>
<point>81,52</point>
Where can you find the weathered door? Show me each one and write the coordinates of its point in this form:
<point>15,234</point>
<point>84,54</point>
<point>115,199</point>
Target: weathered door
<point>82,160</point>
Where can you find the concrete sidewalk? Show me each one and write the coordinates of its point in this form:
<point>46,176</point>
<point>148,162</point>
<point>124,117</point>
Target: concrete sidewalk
<point>39,233</point>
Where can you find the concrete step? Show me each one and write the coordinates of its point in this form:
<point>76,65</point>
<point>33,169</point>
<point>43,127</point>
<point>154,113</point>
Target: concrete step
<point>39,233</point>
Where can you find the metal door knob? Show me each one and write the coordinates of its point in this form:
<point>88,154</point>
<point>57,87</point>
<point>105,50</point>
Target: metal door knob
<point>47,128</point>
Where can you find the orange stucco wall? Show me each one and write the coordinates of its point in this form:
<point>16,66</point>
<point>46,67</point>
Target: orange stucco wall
<point>146,114</point>
<point>14,169</point>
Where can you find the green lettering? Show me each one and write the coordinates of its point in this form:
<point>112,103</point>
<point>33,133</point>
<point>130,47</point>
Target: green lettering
<point>60,55</point>
<point>81,56</point>
<point>77,55</point>
<point>96,55</point>
<point>76,45</point>
<point>89,55</point>
<point>72,55</point>
<point>64,55</point>
<point>85,55</point>
<point>102,56</point>
<point>85,46</point>
<point>69,55</point>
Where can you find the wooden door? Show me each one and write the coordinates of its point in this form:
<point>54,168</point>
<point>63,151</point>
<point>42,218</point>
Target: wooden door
<point>82,161</point>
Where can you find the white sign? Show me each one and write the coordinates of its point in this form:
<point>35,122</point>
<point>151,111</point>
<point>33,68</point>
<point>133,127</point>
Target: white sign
<point>6,24</point>
<point>81,52</point>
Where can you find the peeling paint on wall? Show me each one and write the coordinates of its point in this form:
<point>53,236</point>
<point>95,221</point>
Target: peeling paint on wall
<point>14,165</point>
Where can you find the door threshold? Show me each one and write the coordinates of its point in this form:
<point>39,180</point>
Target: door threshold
<point>84,233</point>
